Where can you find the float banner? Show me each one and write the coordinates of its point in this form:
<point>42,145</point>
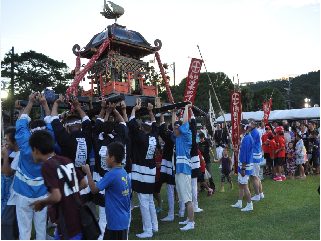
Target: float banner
<point>236,115</point>
<point>192,80</point>
<point>267,109</point>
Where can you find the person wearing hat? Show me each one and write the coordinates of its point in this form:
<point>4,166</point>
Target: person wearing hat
<point>280,154</point>
<point>257,159</point>
<point>245,166</point>
<point>266,150</point>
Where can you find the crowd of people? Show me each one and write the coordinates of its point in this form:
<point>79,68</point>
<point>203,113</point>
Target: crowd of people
<point>107,161</point>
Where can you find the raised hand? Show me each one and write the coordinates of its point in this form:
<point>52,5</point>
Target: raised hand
<point>61,99</point>
<point>150,107</point>
<point>17,105</point>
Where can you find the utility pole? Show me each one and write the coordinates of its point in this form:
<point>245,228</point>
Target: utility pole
<point>12,87</point>
<point>288,93</point>
<point>173,68</point>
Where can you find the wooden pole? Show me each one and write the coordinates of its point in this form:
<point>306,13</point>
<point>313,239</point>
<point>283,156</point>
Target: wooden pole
<point>214,91</point>
<point>12,87</point>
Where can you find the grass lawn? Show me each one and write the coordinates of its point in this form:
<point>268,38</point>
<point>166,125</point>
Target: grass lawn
<point>290,210</point>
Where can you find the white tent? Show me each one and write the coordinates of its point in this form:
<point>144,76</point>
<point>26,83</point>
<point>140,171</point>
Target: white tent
<point>293,114</point>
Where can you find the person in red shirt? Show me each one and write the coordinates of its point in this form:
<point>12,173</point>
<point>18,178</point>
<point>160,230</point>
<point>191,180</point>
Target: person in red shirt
<point>266,150</point>
<point>201,178</point>
<point>158,183</point>
<point>280,154</point>
<point>272,152</point>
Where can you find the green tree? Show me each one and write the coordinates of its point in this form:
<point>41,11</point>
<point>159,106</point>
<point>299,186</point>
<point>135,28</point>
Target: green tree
<point>247,98</point>
<point>35,71</point>
<point>222,86</point>
<point>263,95</point>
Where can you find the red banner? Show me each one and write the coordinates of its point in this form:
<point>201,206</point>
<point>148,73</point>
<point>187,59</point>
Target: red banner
<point>192,79</point>
<point>236,115</point>
<point>267,109</point>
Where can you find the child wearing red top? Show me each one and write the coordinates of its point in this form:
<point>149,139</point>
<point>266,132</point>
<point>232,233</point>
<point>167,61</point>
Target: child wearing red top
<point>272,154</point>
<point>266,150</point>
<point>158,183</point>
<point>201,179</point>
<point>280,154</point>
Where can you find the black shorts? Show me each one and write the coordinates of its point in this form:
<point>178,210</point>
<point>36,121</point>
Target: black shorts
<point>280,161</point>
<point>158,186</point>
<point>228,177</point>
<point>267,157</point>
<point>201,178</point>
<point>115,234</point>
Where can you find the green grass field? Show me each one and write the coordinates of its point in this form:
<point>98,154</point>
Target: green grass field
<point>290,210</point>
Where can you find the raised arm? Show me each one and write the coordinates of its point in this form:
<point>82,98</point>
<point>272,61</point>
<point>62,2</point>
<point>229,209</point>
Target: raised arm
<point>18,107</point>
<point>32,100</point>
<point>123,110</point>
<point>150,112</point>
<point>6,165</point>
<point>54,111</point>
<point>161,120</point>
<point>190,110</point>
<point>76,104</point>
<point>108,111</point>
<point>136,107</point>
<point>43,101</point>
<point>118,116</point>
<point>103,109</point>
<point>174,116</point>
<point>185,116</point>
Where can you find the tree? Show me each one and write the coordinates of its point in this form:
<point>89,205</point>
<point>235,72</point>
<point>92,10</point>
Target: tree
<point>35,71</point>
<point>263,95</point>
<point>247,98</point>
<point>222,86</point>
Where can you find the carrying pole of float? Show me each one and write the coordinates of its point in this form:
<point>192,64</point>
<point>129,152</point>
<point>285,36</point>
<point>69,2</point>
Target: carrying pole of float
<point>214,92</point>
<point>170,97</point>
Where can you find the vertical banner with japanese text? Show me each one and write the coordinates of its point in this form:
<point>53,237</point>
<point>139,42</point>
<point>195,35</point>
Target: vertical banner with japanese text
<point>192,80</point>
<point>267,109</point>
<point>236,115</point>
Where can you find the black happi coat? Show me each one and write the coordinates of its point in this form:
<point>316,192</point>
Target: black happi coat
<point>143,157</point>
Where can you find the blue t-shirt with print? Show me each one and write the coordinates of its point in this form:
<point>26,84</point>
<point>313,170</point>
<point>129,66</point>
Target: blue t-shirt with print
<point>117,186</point>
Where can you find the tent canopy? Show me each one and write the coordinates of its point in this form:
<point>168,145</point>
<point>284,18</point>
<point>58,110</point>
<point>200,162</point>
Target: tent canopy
<point>293,114</point>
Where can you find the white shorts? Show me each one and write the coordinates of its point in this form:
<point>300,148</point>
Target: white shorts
<point>256,169</point>
<point>243,180</point>
<point>183,187</point>
<point>219,152</point>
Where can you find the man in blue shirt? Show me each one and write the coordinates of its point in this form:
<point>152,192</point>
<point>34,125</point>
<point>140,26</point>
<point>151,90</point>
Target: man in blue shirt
<point>117,186</point>
<point>182,137</point>
<point>245,166</point>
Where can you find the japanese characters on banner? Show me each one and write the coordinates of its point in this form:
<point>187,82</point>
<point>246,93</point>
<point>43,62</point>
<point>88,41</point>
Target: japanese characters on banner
<point>211,112</point>
<point>192,80</point>
<point>267,109</point>
<point>236,115</point>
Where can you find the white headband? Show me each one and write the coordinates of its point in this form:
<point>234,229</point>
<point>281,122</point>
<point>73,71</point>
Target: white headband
<point>101,137</point>
<point>38,129</point>
<point>245,125</point>
<point>73,123</point>
<point>147,123</point>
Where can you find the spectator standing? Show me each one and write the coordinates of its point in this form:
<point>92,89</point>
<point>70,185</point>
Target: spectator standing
<point>69,226</point>
<point>299,156</point>
<point>226,162</point>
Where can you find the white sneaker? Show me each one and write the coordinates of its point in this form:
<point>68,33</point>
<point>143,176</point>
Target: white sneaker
<point>237,205</point>
<point>220,167</point>
<point>256,198</point>
<point>185,222</point>
<point>261,195</point>
<point>144,235</point>
<point>189,225</point>
<point>197,210</point>
<point>168,218</point>
<point>249,207</point>
<point>179,215</point>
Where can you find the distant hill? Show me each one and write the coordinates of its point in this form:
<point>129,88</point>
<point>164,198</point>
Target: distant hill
<point>303,86</point>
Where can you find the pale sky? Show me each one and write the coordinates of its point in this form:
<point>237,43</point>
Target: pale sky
<point>256,39</point>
